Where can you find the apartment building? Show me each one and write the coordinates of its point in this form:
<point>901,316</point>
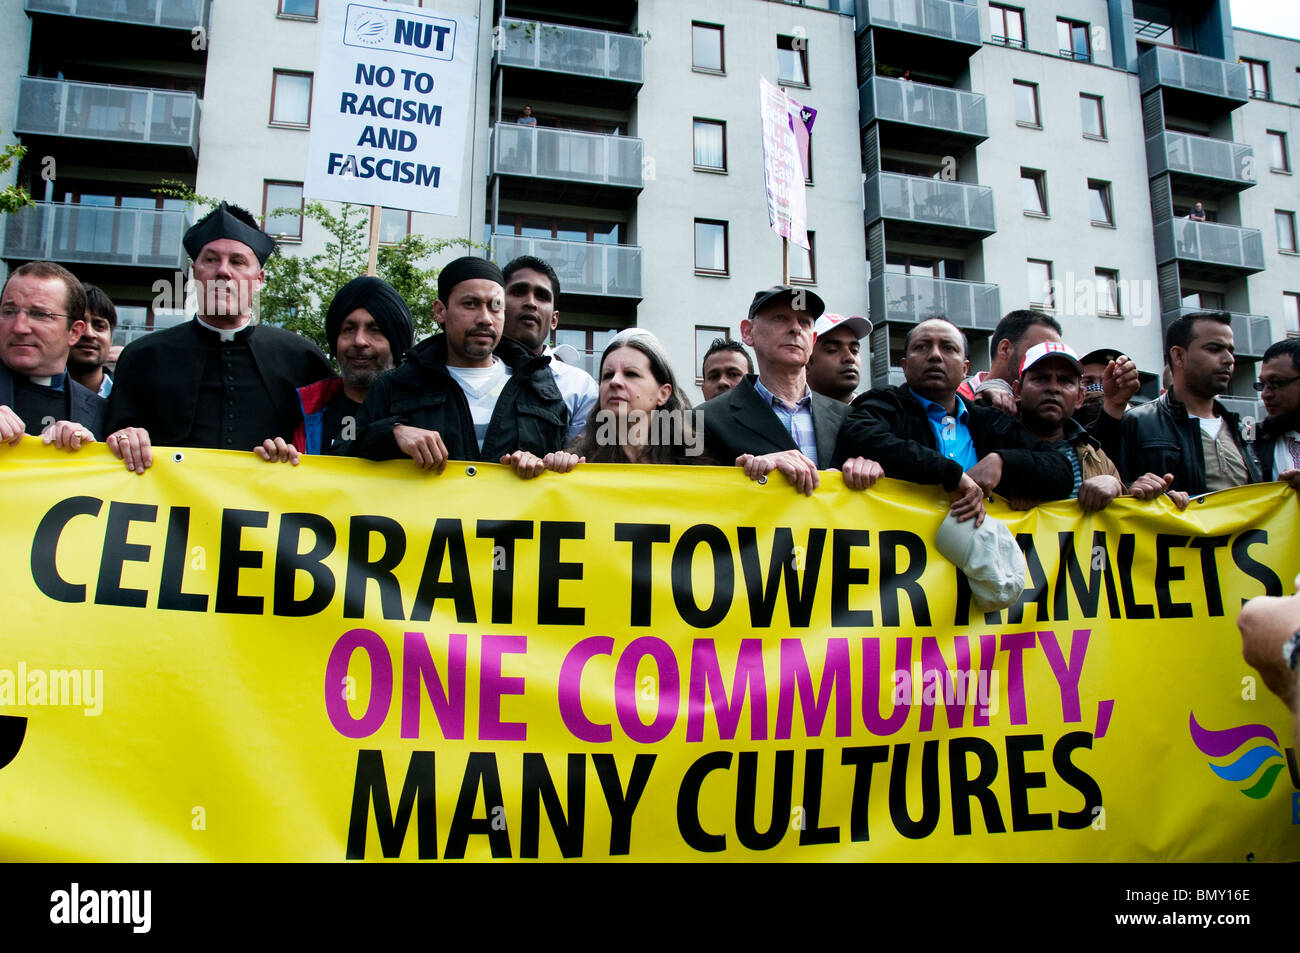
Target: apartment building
<point>967,158</point>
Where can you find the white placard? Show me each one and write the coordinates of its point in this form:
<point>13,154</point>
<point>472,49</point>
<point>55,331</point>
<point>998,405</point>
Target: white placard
<point>391,106</point>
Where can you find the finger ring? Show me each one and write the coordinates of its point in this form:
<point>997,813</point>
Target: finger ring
<point>80,435</point>
<point>121,437</point>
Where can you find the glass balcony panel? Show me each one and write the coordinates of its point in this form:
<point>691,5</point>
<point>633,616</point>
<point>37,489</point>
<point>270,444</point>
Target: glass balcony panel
<point>570,49</point>
<point>947,19</point>
<point>1210,242</point>
<point>97,111</point>
<point>1201,74</point>
<point>911,299</point>
<point>921,104</point>
<point>933,201</point>
<point>547,153</point>
<point>108,235</point>
<point>174,14</point>
<point>583,267</point>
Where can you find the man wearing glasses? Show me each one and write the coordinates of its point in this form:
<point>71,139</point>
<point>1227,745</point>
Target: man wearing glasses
<point>1277,447</point>
<point>42,315</point>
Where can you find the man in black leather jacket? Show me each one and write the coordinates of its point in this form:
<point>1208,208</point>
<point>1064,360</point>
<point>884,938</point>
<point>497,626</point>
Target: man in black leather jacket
<point>1172,434</point>
<point>468,393</point>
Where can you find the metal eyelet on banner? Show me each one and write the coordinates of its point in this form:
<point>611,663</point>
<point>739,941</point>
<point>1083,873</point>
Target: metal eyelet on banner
<point>762,479</point>
<point>471,471</point>
<point>178,456</point>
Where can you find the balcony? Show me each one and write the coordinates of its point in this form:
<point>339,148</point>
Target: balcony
<point>949,21</point>
<point>1251,333</point>
<point>920,205</point>
<point>1215,165</point>
<point>1188,73</point>
<point>571,50</point>
<point>158,117</point>
<point>170,14</point>
<point>541,152</point>
<point>911,299</point>
<point>584,268</point>
<point>1209,250</point>
<point>940,115</point>
<point>87,234</point>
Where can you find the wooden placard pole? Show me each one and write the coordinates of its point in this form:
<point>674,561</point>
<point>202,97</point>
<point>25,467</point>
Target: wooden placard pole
<point>372,260</point>
<point>785,260</point>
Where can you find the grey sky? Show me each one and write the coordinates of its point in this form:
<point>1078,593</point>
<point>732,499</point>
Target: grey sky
<point>1267,16</point>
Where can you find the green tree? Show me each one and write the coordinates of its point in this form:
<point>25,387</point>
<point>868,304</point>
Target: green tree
<point>299,288</point>
<point>12,197</point>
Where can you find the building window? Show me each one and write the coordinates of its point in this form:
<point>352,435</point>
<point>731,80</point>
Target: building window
<point>1285,230</point>
<point>282,209</point>
<point>305,9</point>
<point>1278,158</point>
<point>1094,116</point>
<point>1257,78</point>
<point>1072,40</point>
<point>711,145</point>
<point>394,225</point>
<point>710,247</point>
<point>1107,292</point>
<point>1027,103</point>
<point>1033,191</point>
<point>792,60</point>
<point>590,343</point>
<point>1291,312</point>
<point>808,172</point>
<point>1040,285</point>
<point>704,338</point>
<point>706,48</point>
<point>803,262</point>
<point>1099,204</point>
<point>290,99</point>
<point>1007,25</point>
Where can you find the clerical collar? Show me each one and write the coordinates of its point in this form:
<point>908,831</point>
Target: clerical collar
<point>226,334</point>
<point>54,383</point>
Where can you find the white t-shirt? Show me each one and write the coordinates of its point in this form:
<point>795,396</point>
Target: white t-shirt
<point>482,387</point>
<point>1211,426</point>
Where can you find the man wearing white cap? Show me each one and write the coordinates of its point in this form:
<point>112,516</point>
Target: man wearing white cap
<point>835,367</point>
<point>1048,391</point>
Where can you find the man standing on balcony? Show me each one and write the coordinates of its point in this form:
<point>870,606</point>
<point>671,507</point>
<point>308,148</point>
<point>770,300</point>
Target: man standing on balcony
<point>1197,214</point>
<point>1187,432</point>
<point>527,119</point>
<point>42,310</point>
<point>218,381</point>
<point>532,297</point>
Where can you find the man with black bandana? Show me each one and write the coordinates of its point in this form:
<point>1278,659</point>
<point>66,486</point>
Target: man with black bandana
<point>218,381</point>
<point>469,393</point>
<point>369,329</point>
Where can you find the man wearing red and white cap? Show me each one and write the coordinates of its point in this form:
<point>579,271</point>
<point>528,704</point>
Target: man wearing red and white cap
<point>1048,392</point>
<point>835,367</point>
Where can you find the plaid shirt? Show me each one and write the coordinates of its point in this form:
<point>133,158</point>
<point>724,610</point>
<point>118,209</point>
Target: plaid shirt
<point>798,420</point>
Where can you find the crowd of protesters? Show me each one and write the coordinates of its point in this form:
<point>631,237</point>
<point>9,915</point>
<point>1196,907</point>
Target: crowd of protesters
<point>1040,424</point>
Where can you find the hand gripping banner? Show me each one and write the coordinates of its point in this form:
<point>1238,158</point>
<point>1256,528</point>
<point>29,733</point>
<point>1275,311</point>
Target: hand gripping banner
<point>231,660</point>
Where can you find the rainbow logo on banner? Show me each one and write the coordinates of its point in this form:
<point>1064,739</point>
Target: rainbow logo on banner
<point>1219,744</point>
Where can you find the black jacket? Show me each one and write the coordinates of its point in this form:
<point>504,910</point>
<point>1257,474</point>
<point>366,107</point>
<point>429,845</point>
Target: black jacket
<point>87,407</point>
<point>890,426</point>
<point>1266,435</point>
<point>1161,437</point>
<point>158,378</point>
<point>737,422</point>
<point>530,413</point>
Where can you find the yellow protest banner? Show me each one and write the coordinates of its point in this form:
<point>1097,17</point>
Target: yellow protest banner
<point>225,659</point>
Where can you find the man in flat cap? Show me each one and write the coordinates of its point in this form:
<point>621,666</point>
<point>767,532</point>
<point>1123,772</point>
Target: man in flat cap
<point>369,329</point>
<point>218,381</point>
<point>468,393</point>
<point>772,420</point>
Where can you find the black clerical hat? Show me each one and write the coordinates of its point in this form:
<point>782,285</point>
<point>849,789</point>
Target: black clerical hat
<point>219,223</point>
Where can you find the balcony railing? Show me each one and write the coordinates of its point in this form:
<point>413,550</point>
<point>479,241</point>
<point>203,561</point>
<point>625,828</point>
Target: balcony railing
<point>53,231</point>
<point>1251,333</point>
<point>912,198</point>
<point>1161,66</point>
<point>570,49</point>
<point>546,153</point>
<point>53,107</point>
<point>911,299</point>
<point>1210,243</point>
<point>174,14</point>
<point>590,268</point>
<point>1202,156</point>
<point>920,104</point>
<point>946,19</point>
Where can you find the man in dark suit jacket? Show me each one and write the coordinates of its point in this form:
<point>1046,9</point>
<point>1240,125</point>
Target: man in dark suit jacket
<point>772,420</point>
<point>42,314</point>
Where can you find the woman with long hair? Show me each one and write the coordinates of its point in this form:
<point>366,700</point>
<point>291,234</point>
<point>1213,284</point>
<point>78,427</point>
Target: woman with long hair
<point>642,415</point>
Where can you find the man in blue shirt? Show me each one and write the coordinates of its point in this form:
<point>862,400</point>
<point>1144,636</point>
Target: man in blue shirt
<point>923,431</point>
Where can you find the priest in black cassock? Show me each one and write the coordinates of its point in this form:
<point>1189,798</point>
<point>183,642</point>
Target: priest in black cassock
<point>218,381</point>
